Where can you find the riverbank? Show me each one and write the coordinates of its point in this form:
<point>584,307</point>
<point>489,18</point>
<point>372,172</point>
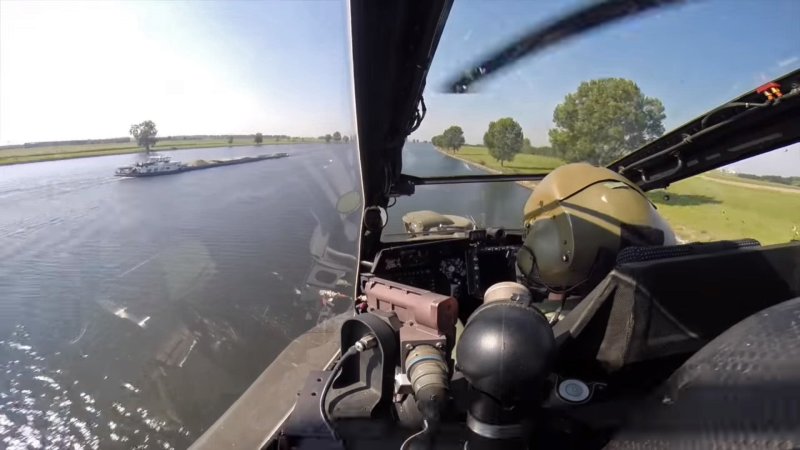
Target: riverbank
<point>22,155</point>
<point>478,157</point>
<point>708,207</point>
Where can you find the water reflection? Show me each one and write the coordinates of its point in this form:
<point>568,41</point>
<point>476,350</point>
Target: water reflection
<point>136,311</point>
<point>45,408</point>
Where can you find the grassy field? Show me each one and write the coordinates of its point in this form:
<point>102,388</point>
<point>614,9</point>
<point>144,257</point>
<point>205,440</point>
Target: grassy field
<point>731,177</point>
<point>701,208</point>
<point>522,163</point>
<point>35,154</point>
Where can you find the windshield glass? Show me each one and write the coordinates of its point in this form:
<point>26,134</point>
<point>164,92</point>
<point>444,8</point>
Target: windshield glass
<point>601,94</point>
<point>591,98</point>
<point>142,295</point>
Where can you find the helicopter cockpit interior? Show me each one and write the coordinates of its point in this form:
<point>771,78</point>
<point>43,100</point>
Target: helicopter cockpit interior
<point>584,329</point>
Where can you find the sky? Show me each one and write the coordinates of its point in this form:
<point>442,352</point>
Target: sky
<point>72,70</point>
<point>692,57</point>
<point>76,70</point>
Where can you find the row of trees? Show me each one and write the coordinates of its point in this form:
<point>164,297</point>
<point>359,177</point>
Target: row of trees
<point>145,135</point>
<point>259,138</point>
<point>336,137</point>
<point>504,139</point>
<point>452,139</point>
<point>603,120</point>
<point>600,122</point>
<point>791,181</point>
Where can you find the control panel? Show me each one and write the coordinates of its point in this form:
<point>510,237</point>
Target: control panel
<point>490,264</point>
<point>435,266</point>
<point>457,267</point>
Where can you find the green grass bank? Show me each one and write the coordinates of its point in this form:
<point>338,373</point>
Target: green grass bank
<point>49,153</point>
<point>712,206</point>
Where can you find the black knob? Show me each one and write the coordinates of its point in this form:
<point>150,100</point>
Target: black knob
<point>505,352</point>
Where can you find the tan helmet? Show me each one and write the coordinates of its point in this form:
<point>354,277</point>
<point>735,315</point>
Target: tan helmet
<point>577,220</point>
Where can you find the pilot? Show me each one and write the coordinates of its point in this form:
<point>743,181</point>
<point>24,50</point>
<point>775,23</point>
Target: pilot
<point>576,221</point>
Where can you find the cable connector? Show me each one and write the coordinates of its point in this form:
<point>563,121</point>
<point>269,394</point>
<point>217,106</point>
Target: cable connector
<point>365,343</point>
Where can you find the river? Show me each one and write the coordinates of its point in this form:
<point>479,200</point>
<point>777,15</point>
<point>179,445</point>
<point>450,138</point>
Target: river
<point>133,312</point>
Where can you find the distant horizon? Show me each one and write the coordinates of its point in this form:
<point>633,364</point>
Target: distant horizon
<point>760,165</point>
<point>70,69</point>
<point>130,138</point>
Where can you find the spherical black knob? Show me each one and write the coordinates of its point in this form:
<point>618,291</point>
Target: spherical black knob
<point>506,350</point>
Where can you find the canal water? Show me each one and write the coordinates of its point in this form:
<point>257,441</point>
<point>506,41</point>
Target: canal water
<point>133,312</point>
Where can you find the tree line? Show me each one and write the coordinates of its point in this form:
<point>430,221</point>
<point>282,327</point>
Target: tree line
<point>598,123</point>
<point>336,137</point>
<point>790,181</point>
<point>145,133</point>
<point>452,139</point>
<point>259,138</point>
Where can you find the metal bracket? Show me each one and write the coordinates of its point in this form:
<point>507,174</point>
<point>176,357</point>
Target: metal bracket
<point>305,427</point>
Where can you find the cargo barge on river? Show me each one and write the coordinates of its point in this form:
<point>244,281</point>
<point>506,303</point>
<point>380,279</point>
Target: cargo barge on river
<point>163,165</point>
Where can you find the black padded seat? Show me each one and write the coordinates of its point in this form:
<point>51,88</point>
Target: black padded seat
<point>742,390</point>
<point>653,252</point>
<point>654,308</point>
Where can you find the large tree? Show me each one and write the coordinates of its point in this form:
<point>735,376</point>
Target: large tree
<point>145,134</point>
<point>437,141</point>
<point>259,138</point>
<point>504,139</point>
<point>328,138</point>
<point>453,138</point>
<point>337,137</point>
<point>345,139</point>
<point>605,119</point>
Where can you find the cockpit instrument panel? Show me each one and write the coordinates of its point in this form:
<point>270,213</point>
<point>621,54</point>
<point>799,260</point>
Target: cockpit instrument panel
<point>453,266</point>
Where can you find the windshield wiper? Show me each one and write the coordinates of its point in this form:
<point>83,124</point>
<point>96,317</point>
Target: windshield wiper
<point>486,178</point>
<point>578,22</point>
<point>406,183</point>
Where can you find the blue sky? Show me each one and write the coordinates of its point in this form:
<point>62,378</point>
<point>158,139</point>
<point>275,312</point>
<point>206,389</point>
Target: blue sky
<point>692,57</point>
<point>71,70</point>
